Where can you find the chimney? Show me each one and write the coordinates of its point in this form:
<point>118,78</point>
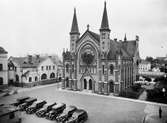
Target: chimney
<point>137,38</point>
<point>115,39</point>
<point>29,58</point>
<point>38,58</point>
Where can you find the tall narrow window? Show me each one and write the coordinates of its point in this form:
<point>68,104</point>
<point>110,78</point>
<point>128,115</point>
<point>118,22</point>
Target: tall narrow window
<point>1,67</point>
<point>103,68</point>
<point>67,68</point>
<point>111,69</point>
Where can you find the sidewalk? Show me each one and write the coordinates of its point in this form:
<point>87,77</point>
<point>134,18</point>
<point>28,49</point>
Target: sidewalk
<point>152,114</point>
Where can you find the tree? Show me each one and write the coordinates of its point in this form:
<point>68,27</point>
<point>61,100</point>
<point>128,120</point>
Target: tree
<point>149,59</point>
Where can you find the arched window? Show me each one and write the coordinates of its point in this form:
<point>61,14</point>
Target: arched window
<point>103,68</point>
<point>67,68</point>
<point>17,78</point>
<point>90,84</point>
<point>44,76</point>
<point>30,79</point>
<point>111,69</point>
<point>1,81</point>
<point>85,83</point>
<point>52,75</point>
<point>36,78</point>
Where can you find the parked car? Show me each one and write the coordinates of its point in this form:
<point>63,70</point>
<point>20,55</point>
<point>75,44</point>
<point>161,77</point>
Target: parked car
<point>20,100</point>
<point>66,114</point>
<point>35,106</point>
<point>27,103</point>
<point>56,110</point>
<point>79,116</point>
<point>46,108</point>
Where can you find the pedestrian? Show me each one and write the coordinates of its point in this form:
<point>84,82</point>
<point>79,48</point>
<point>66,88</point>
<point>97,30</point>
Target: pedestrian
<point>160,112</point>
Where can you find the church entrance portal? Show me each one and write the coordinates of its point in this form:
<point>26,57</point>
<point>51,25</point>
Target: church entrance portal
<point>90,84</point>
<point>111,84</point>
<point>87,83</point>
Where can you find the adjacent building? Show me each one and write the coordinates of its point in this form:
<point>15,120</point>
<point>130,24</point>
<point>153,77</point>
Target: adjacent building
<point>144,66</point>
<point>33,70</point>
<point>3,67</point>
<point>97,63</point>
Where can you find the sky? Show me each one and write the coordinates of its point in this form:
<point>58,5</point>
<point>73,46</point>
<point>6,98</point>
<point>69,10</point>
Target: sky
<point>43,26</point>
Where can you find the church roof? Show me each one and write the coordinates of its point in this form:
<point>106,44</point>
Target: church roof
<point>93,34</point>
<point>130,46</point>
<point>3,51</point>
<point>104,22</point>
<point>74,27</point>
<point>115,49</point>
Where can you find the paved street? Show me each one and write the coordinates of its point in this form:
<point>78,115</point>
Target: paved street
<point>101,109</point>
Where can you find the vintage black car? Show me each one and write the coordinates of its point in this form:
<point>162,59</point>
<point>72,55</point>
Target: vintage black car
<point>56,110</point>
<point>66,114</point>
<point>46,108</point>
<point>79,116</point>
<point>27,103</point>
<point>35,106</point>
<point>20,100</point>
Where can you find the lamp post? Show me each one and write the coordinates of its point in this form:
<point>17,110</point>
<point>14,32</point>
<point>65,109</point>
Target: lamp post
<point>164,90</point>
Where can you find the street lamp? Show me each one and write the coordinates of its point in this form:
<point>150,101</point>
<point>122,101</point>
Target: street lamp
<point>164,90</point>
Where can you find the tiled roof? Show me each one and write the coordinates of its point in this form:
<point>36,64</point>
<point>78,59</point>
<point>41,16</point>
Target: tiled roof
<point>115,49</point>
<point>3,51</point>
<point>130,46</point>
<point>24,63</point>
<point>95,35</point>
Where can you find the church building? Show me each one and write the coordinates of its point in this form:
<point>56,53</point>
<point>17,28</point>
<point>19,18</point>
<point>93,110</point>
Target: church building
<point>96,63</point>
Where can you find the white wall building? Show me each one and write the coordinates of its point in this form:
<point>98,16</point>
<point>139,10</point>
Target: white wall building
<point>33,70</point>
<point>144,66</point>
<point>3,67</point>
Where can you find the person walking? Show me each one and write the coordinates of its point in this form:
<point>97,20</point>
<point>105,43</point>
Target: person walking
<point>160,112</point>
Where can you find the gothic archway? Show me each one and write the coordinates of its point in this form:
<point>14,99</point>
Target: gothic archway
<point>111,85</point>
<point>44,76</point>
<point>90,84</point>
<point>85,84</point>
<point>52,75</point>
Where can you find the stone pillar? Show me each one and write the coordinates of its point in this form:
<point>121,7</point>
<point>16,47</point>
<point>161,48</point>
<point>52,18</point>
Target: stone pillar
<point>100,87</point>
<point>75,84</point>
<point>106,88</point>
<point>70,84</point>
<point>93,86</point>
<point>63,83</point>
<point>116,88</point>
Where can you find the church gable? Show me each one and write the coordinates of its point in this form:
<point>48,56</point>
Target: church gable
<point>88,37</point>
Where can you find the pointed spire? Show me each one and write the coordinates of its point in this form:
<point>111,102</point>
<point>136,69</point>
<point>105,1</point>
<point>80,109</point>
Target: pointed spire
<point>74,27</point>
<point>125,39</point>
<point>104,23</point>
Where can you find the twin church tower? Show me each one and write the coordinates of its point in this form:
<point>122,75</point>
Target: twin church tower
<point>98,64</point>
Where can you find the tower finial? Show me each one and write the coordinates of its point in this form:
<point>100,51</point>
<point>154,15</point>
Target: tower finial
<point>88,27</point>
<point>74,27</point>
<point>104,23</point>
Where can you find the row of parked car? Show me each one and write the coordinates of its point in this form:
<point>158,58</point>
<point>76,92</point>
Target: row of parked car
<point>54,111</point>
